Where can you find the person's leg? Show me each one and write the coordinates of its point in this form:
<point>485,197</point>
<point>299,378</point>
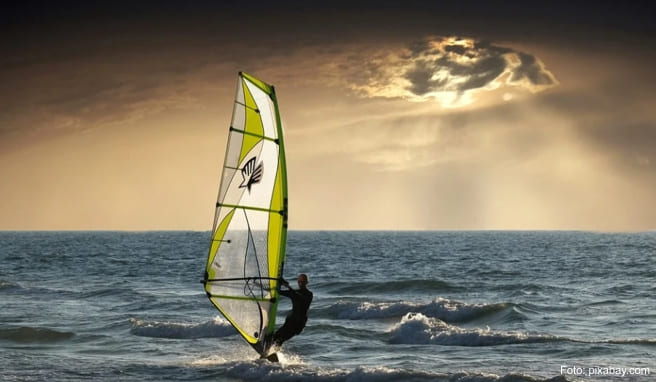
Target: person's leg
<point>284,333</point>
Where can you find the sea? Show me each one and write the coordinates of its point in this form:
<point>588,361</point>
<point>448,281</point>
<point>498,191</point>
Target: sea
<point>388,306</point>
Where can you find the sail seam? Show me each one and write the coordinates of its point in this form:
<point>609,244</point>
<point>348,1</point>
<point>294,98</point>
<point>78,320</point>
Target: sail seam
<point>249,208</point>
<point>240,278</point>
<point>240,298</point>
<point>254,134</point>
<point>248,107</point>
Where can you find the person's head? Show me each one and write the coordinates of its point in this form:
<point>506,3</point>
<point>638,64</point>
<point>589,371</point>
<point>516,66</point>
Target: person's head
<point>302,280</point>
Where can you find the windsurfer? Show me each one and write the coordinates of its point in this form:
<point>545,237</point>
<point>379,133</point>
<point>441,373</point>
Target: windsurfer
<point>296,319</point>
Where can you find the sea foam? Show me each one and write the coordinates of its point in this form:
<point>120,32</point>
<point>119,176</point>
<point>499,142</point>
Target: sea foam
<point>416,328</point>
<point>443,309</point>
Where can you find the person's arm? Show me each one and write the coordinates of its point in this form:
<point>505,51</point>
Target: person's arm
<point>287,293</point>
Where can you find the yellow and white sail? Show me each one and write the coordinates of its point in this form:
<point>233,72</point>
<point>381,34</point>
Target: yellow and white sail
<point>249,235</point>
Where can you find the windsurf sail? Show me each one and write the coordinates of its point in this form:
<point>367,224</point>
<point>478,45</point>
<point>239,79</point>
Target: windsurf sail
<point>247,250</point>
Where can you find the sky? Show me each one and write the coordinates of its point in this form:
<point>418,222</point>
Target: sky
<point>398,116</point>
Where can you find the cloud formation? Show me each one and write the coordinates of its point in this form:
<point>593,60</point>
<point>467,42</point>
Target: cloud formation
<point>109,115</point>
<point>451,71</point>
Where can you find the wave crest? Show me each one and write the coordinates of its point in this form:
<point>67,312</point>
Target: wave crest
<point>443,309</point>
<point>156,329</point>
<point>416,328</point>
<point>31,335</point>
<point>634,341</point>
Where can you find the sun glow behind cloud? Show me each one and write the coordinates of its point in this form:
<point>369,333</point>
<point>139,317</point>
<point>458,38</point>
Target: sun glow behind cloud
<point>451,71</point>
<point>408,105</point>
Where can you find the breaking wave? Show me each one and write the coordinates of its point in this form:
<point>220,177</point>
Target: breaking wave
<point>416,328</point>
<point>209,329</point>
<point>443,309</point>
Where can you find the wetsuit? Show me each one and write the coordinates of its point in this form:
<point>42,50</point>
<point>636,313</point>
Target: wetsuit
<point>296,319</point>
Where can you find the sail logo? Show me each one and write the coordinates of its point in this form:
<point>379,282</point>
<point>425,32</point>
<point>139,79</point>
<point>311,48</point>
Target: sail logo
<point>251,174</point>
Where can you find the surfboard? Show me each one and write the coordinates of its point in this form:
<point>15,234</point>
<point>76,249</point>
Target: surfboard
<point>247,248</point>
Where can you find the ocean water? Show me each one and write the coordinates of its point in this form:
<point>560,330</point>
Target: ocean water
<point>388,306</point>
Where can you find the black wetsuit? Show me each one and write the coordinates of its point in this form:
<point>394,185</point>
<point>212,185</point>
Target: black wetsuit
<point>296,319</point>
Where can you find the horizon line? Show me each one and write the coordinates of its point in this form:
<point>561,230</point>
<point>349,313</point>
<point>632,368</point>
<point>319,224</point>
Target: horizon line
<point>653,230</point>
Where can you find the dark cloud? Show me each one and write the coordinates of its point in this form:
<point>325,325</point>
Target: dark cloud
<point>71,63</point>
<point>457,49</point>
<point>463,64</point>
<point>421,78</point>
<point>532,70</point>
<point>484,72</point>
<point>449,70</point>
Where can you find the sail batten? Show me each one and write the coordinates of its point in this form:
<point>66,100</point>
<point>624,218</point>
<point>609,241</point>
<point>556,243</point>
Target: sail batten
<point>255,135</point>
<point>216,296</point>
<point>247,249</point>
<point>253,208</point>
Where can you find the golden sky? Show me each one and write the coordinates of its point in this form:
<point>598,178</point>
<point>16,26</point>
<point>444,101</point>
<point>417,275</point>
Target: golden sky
<point>440,117</point>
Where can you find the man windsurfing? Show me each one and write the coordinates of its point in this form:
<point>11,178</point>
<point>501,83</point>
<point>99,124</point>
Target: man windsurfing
<point>296,319</point>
